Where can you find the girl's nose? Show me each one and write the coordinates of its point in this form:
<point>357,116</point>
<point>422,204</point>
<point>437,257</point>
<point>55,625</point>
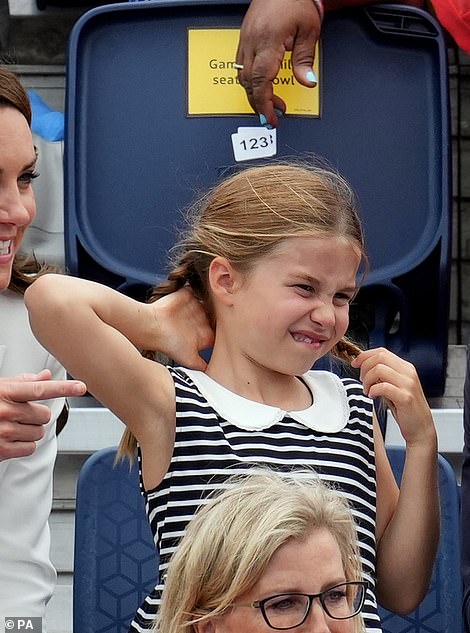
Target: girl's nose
<point>323,314</point>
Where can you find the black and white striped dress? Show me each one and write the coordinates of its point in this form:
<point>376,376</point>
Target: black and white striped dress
<point>219,433</point>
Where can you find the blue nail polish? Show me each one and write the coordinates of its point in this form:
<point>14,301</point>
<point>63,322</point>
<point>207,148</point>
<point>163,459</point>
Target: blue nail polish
<point>278,112</point>
<point>262,119</point>
<point>311,76</point>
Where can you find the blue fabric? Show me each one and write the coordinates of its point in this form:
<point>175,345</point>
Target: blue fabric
<point>47,123</point>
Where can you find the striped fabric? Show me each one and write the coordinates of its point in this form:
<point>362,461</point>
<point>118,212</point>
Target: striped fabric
<point>208,449</point>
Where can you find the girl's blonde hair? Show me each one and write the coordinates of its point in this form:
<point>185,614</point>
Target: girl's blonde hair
<point>230,541</point>
<point>246,216</point>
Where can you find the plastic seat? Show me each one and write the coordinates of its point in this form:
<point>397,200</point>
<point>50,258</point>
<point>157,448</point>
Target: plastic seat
<point>135,159</point>
<point>465,514</point>
<point>440,611</point>
<point>116,562</point>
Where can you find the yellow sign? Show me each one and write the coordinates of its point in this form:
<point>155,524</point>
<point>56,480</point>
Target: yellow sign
<point>213,86</point>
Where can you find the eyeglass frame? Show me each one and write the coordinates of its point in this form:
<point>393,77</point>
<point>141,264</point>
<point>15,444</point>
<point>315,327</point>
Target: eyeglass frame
<point>260,604</point>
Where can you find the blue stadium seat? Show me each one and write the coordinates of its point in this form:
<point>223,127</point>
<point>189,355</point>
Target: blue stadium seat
<point>465,502</point>
<point>115,559</point>
<point>440,611</point>
<point>135,158</point>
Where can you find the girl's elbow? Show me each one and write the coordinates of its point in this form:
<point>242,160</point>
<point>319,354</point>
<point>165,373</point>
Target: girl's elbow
<point>403,601</point>
<point>45,300</point>
<point>44,288</point>
<point>31,295</point>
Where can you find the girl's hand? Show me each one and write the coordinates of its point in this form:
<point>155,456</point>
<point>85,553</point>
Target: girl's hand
<point>183,329</point>
<point>387,376</point>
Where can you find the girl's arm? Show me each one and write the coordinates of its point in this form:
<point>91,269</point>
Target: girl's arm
<point>96,333</point>
<point>408,521</point>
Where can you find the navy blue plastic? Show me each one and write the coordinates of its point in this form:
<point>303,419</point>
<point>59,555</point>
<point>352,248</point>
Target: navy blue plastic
<point>115,560</point>
<point>441,609</point>
<point>134,159</point>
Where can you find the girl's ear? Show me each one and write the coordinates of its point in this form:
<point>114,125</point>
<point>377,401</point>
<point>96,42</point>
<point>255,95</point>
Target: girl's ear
<point>223,279</point>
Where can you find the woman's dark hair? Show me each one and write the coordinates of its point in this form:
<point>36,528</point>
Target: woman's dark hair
<point>25,268</point>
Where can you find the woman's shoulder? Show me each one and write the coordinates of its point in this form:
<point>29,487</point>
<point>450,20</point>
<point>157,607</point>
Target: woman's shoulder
<point>12,312</point>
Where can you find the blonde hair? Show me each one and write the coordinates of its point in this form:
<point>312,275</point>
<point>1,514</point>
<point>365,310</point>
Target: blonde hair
<point>246,216</point>
<point>230,541</point>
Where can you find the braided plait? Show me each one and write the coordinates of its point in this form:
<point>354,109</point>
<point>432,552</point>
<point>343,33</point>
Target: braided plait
<point>346,350</point>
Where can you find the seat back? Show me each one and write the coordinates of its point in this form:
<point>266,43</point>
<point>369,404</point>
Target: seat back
<point>116,561</point>
<point>465,512</point>
<point>441,610</point>
<point>115,565</point>
<point>136,154</point>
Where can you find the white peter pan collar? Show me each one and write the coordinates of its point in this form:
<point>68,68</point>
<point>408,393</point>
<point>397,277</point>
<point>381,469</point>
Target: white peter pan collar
<point>328,413</point>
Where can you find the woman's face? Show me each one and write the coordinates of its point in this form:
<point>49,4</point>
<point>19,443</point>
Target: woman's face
<point>307,566</point>
<point>17,203</point>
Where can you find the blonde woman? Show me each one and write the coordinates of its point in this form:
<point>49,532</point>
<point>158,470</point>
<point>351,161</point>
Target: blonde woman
<point>272,552</point>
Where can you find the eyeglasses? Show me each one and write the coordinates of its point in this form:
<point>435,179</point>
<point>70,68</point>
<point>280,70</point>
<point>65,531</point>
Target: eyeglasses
<point>288,610</point>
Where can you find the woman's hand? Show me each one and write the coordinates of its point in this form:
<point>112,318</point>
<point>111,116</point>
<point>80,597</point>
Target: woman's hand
<point>387,376</point>
<point>22,418</point>
<point>269,29</point>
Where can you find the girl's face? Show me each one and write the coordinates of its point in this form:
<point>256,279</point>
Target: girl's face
<point>293,306</point>
<point>17,204</point>
<point>307,566</point>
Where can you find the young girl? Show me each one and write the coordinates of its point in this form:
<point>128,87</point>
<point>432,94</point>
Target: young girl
<point>273,255</point>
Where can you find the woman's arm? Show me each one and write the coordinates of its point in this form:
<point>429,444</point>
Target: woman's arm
<point>97,334</point>
<point>407,523</point>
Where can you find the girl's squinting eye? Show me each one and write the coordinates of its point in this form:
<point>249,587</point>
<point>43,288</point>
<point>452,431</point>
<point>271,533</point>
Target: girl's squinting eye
<point>27,177</point>
<point>343,299</point>
<point>305,288</point>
